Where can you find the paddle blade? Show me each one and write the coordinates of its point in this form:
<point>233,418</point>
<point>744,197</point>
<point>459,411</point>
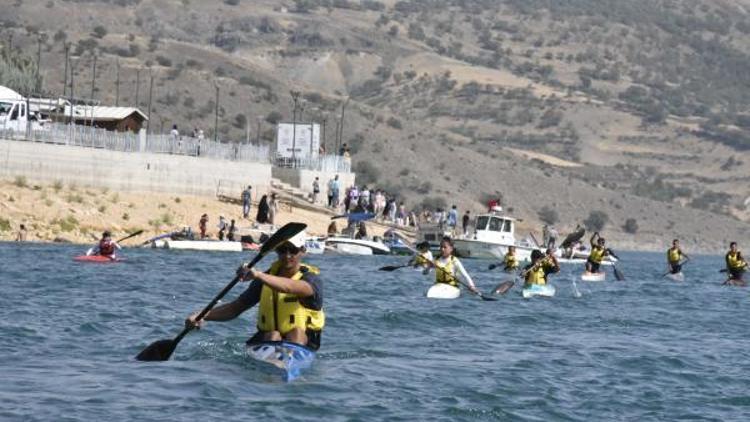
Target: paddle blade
<point>487,298</point>
<point>390,267</point>
<point>618,274</point>
<point>491,267</point>
<point>503,287</point>
<point>157,351</point>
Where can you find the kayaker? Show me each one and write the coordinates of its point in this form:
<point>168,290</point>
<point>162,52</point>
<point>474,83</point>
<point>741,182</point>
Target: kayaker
<point>448,267</point>
<point>675,257</point>
<point>736,266</point>
<point>510,262</point>
<point>290,291</point>
<point>105,247</point>
<point>550,264</point>
<point>534,273</point>
<point>598,253</point>
<point>423,257</point>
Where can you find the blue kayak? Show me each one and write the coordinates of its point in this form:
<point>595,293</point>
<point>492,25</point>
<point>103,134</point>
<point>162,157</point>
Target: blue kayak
<point>290,358</point>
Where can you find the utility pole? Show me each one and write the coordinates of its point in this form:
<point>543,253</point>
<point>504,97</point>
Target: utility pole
<point>216,116</point>
<point>341,126</point>
<point>295,98</point>
<point>117,83</point>
<point>93,75</point>
<point>150,92</point>
<point>257,135</point>
<point>65,76</point>
<point>38,62</point>
<point>247,130</point>
<point>323,136</point>
<point>137,85</point>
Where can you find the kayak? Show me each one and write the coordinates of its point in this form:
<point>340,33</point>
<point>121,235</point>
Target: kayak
<point>676,277</point>
<point>290,358</point>
<point>600,276</point>
<point>96,258</point>
<point>543,290</point>
<point>443,291</point>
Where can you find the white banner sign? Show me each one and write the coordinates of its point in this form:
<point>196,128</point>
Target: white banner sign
<point>300,140</point>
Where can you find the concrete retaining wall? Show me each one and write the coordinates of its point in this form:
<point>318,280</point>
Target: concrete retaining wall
<point>127,171</point>
<point>303,179</point>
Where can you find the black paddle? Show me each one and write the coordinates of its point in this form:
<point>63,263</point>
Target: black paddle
<point>393,267</point>
<point>670,269</point>
<point>503,287</point>
<point>162,349</point>
<point>129,236</point>
<point>618,274</point>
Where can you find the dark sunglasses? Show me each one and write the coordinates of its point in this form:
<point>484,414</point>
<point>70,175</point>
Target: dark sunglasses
<point>287,250</point>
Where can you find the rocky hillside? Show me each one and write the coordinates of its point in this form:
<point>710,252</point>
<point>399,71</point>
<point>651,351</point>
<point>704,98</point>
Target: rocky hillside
<point>637,109</point>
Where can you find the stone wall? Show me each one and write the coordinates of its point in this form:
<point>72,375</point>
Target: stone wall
<point>128,171</point>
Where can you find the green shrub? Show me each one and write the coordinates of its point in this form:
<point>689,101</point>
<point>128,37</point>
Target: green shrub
<point>126,216</point>
<point>548,215</point>
<point>20,181</point>
<point>631,226</point>
<point>4,224</point>
<point>596,220</point>
<point>57,186</point>
<point>103,209</point>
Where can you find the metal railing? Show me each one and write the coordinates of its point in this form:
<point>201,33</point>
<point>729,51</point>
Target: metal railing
<point>326,163</point>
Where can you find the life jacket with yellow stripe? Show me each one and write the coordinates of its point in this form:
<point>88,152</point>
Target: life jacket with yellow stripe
<point>421,259</point>
<point>674,255</point>
<point>597,254</point>
<point>444,274</point>
<point>283,312</point>
<point>735,261</point>
<point>510,262</point>
<point>536,275</point>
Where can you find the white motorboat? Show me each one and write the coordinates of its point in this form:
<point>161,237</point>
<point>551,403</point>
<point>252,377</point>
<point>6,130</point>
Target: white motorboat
<point>315,245</point>
<point>493,233</point>
<point>349,246</point>
<point>199,245</point>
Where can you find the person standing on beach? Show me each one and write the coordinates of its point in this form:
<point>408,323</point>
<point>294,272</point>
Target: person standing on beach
<point>316,190</point>
<point>202,225</point>
<point>465,222</point>
<point>231,231</point>
<point>273,208</point>
<point>261,217</point>
<point>222,226</point>
<point>246,200</point>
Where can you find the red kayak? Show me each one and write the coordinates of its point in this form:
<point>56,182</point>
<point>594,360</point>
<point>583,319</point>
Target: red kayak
<point>96,258</point>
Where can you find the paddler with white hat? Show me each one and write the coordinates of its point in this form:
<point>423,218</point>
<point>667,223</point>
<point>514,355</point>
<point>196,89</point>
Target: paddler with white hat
<point>290,291</point>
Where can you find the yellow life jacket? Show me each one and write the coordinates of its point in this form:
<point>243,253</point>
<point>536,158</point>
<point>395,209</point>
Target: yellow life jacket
<point>536,276</point>
<point>510,262</point>
<point>446,274</point>
<point>597,254</point>
<point>420,259</point>
<point>674,255</point>
<point>734,262</point>
<point>283,312</point>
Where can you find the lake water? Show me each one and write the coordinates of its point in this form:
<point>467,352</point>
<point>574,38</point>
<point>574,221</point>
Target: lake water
<point>642,349</point>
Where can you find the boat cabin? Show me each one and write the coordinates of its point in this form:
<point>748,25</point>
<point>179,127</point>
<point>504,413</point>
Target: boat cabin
<point>495,228</point>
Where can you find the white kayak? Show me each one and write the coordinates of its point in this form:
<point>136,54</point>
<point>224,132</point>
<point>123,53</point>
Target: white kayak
<point>443,291</point>
<point>600,276</point>
<point>676,276</point>
<point>543,290</point>
<point>290,358</point>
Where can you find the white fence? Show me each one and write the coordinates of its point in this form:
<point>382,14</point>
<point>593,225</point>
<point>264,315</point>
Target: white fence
<point>91,137</point>
<point>325,163</point>
<point>87,136</point>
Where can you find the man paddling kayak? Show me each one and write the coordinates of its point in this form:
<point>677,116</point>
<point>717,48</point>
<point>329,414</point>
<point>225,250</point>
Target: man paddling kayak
<point>675,257</point>
<point>449,267</point>
<point>290,298</point>
<point>105,247</point>
<point>598,252</point>
<point>510,262</point>
<point>736,266</point>
<point>540,267</point>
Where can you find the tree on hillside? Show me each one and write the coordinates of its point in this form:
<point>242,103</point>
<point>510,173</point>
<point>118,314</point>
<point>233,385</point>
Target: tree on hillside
<point>631,226</point>
<point>596,220</point>
<point>17,72</point>
<point>548,215</point>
